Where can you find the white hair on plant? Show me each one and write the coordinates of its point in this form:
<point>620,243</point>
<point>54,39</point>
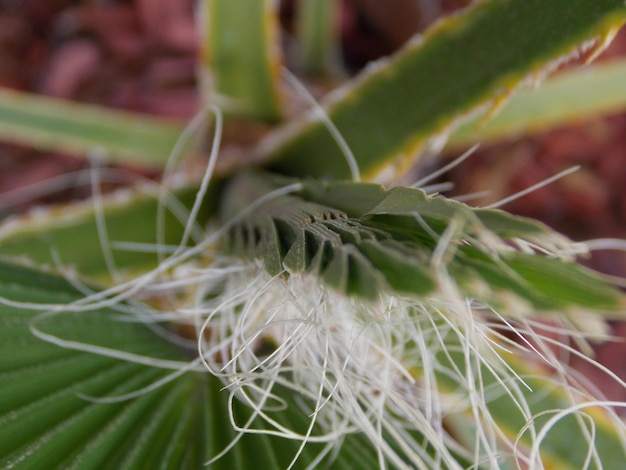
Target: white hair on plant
<point>96,158</point>
<point>575,410</point>
<point>355,363</point>
<point>446,168</point>
<point>396,369</point>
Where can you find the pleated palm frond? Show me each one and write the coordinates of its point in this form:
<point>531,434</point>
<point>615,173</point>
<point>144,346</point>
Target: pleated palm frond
<point>363,239</point>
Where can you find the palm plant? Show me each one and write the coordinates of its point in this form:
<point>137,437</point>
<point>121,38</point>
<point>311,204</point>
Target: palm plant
<point>286,308</point>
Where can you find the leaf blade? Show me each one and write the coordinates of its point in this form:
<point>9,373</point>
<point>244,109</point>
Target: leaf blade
<point>59,125</point>
<point>65,430</point>
<point>393,109</point>
<point>241,57</point>
<point>569,97</point>
<point>361,238</point>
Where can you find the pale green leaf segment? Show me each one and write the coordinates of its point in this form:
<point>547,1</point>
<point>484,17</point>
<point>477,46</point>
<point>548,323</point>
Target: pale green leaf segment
<point>317,36</point>
<point>568,442</point>
<point>241,59</point>
<point>45,421</point>
<point>68,235</point>
<point>362,239</point>
<point>62,126</point>
<point>570,97</point>
<point>460,64</point>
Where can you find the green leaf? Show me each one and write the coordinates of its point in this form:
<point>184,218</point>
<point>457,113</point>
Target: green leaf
<point>241,57</point>
<point>547,283</point>
<point>363,239</point>
<point>570,97</point>
<point>463,62</point>
<point>64,126</point>
<point>69,234</point>
<point>566,283</point>
<point>317,35</point>
<point>46,421</point>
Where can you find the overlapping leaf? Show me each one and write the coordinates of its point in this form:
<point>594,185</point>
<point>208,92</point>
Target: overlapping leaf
<point>70,235</point>
<point>46,421</point>
<point>475,58</point>
<point>242,57</point>
<point>362,239</point>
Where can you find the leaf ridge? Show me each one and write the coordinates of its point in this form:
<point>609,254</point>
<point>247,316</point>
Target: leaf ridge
<point>361,238</point>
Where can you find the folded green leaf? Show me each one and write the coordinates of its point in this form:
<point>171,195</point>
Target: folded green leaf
<point>361,239</point>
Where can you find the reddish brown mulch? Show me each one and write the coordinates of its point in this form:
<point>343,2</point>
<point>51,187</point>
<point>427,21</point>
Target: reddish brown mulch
<point>135,55</point>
